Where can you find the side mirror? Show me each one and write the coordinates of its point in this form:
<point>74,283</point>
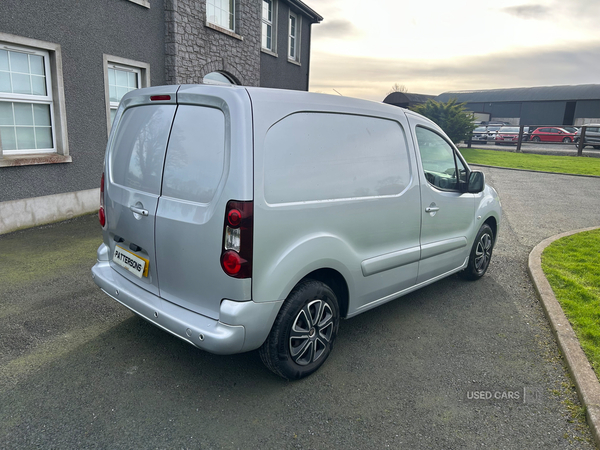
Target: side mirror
<point>476,182</point>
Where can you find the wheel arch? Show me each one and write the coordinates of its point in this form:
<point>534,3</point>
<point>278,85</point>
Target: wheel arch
<point>493,224</point>
<point>336,281</point>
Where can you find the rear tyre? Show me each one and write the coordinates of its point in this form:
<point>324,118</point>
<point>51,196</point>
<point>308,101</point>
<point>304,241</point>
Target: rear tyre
<point>567,140</point>
<point>304,331</point>
<point>481,254</point>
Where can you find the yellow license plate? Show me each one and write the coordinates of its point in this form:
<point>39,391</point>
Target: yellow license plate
<point>131,262</point>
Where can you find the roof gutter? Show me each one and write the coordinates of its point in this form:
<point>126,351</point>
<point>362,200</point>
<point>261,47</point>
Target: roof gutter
<point>306,10</point>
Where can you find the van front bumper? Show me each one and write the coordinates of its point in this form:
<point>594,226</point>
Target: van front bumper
<point>242,326</point>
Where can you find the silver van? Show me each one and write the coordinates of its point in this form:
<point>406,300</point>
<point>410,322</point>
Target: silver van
<point>244,218</point>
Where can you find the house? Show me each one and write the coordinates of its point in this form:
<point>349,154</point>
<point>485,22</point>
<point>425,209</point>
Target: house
<point>541,105</point>
<point>65,65</point>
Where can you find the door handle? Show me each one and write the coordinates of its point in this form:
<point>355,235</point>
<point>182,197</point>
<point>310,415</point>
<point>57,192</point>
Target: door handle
<point>140,211</point>
<point>430,209</point>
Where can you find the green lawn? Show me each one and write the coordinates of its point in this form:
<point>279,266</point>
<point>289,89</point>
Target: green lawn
<point>581,165</point>
<point>572,266</point>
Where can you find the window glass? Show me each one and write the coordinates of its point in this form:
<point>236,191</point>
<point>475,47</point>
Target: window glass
<point>196,154</point>
<point>221,13</point>
<point>292,37</point>
<point>216,78</point>
<point>439,161</point>
<point>121,80</point>
<point>343,156</point>
<point>139,147</point>
<point>26,103</point>
<point>267,24</point>
<point>22,73</point>
<point>21,123</point>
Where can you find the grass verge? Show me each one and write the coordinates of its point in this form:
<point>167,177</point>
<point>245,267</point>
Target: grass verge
<point>572,266</point>
<point>579,165</point>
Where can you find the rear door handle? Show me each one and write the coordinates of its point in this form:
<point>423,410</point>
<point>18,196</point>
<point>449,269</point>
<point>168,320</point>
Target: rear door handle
<point>140,211</point>
<point>431,209</point>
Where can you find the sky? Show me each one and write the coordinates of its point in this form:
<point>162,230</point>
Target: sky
<point>361,49</point>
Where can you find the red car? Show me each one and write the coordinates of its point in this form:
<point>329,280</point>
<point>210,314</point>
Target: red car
<point>552,134</point>
<point>507,135</point>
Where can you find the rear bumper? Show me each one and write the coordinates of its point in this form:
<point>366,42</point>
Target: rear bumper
<point>243,326</point>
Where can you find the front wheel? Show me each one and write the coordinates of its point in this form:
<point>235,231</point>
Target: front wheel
<point>481,254</point>
<point>304,331</point>
<point>535,139</point>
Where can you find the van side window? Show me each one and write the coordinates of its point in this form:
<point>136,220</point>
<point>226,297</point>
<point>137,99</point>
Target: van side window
<point>440,164</point>
<point>323,157</point>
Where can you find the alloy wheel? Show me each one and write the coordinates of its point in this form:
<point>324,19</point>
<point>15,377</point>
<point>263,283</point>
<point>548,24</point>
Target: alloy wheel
<point>483,252</point>
<point>311,332</point>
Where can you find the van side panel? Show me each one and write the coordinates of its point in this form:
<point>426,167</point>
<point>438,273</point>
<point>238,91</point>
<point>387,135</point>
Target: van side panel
<point>333,188</point>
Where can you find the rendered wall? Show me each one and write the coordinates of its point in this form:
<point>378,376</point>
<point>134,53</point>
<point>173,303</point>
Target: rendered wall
<point>85,31</point>
<point>277,71</point>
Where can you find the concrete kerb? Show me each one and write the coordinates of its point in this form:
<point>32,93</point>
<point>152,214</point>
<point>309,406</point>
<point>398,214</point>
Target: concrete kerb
<point>586,382</point>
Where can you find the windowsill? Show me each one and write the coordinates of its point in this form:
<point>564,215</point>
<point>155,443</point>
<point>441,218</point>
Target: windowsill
<point>269,52</point>
<point>293,61</point>
<point>224,31</point>
<point>33,159</point>
<point>144,3</point>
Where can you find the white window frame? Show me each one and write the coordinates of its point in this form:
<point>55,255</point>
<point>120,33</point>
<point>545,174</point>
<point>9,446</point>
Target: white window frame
<point>295,58</point>
<point>141,69</point>
<point>273,25</point>
<point>54,97</point>
<point>232,16</point>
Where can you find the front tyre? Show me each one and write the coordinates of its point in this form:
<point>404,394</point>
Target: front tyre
<point>481,254</point>
<point>304,331</point>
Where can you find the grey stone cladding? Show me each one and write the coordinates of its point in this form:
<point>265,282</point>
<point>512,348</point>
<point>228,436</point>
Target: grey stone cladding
<point>194,48</point>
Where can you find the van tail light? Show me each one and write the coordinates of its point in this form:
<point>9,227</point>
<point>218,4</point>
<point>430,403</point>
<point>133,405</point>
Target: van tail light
<point>236,256</point>
<point>101,213</point>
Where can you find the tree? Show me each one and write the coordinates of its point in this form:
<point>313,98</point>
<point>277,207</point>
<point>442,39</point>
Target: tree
<point>452,117</point>
<point>398,88</point>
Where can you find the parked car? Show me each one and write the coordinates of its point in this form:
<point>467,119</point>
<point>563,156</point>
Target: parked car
<point>241,218</point>
<point>480,134</point>
<point>571,129</point>
<point>492,131</point>
<point>507,135</point>
<point>552,134</point>
<point>592,136</point>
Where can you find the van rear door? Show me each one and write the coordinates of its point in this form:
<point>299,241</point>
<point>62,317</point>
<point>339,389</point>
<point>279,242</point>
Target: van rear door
<point>208,162</point>
<point>134,168</point>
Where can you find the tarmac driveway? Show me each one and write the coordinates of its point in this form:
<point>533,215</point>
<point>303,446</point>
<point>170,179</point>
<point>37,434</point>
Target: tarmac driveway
<point>77,370</point>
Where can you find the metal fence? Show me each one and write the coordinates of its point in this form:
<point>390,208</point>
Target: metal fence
<point>529,137</point>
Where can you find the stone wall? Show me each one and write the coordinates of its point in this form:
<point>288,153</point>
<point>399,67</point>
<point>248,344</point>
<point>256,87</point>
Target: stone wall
<point>194,48</point>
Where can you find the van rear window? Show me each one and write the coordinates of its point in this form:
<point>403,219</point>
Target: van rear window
<point>324,156</point>
<point>138,149</point>
<point>196,154</point>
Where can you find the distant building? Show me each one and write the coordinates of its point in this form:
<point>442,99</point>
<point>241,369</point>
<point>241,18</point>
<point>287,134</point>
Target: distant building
<point>544,105</point>
<point>406,99</point>
<point>65,65</point>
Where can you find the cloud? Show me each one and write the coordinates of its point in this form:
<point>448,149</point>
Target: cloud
<point>337,29</point>
<point>528,11</point>
<point>372,78</point>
